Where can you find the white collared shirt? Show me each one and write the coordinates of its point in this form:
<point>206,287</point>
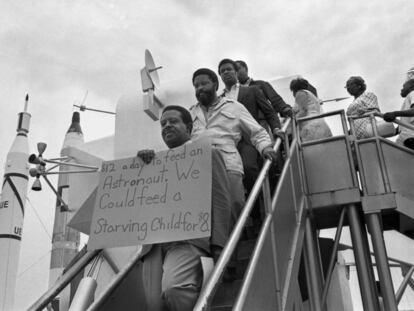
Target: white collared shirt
<point>225,123</point>
<point>233,93</point>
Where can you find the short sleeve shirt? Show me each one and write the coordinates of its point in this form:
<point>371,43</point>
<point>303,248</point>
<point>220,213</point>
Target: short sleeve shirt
<point>362,104</point>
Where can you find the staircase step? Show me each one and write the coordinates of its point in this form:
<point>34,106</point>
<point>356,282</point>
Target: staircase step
<point>225,295</point>
<point>227,291</point>
<point>245,249</point>
<point>250,232</point>
<point>252,229</point>
<point>241,267</point>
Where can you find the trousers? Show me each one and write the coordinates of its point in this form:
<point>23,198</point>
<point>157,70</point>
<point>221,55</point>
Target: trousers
<point>173,276</point>
<point>252,163</point>
<point>237,196</point>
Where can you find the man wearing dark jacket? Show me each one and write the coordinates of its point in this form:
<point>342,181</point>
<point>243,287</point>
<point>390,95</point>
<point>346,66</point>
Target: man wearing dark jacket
<point>269,92</point>
<point>255,102</point>
<point>251,97</point>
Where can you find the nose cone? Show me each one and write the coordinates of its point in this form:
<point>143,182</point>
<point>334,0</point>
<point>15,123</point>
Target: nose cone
<point>75,125</point>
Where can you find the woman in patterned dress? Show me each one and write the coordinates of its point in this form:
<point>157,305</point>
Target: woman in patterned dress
<point>307,104</point>
<point>363,103</point>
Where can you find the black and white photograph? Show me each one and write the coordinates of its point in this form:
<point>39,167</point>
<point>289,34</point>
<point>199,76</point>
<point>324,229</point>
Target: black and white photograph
<point>182,155</point>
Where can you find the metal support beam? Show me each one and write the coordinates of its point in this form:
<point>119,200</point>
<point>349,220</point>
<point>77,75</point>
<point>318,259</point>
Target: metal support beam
<point>363,261</point>
<point>333,256</point>
<point>403,286</point>
<point>65,279</point>
<point>381,259</point>
<point>313,271</point>
<point>268,208</point>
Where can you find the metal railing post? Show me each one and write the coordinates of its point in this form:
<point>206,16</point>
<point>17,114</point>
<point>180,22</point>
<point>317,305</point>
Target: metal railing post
<point>404,283</point>
<point>312,266</point>
<point>65,279</point>
<point>381,259</point>
<point>396,121</point>
<point>332,259</point>
<point>363,261</point>
<point>269,211</point>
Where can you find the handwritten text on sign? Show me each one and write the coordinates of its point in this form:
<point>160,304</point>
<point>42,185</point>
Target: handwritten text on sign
<point>168,199</point>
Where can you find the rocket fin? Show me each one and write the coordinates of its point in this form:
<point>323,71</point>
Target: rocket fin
<point>82,186</point>
<point>81,221</point>
<point>82,190</point>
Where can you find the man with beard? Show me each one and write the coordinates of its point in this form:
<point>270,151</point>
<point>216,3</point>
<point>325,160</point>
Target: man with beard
<point>172,272</point>
<point>269,92</point>
<point>406,137</point>
<point>225,121</point>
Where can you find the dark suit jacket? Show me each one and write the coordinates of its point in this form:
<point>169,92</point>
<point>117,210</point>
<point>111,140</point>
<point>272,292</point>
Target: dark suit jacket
<point>254,100</point>
<point>272,96</point>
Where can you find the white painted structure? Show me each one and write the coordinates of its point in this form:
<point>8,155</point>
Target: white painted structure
<point>12,203</point>
<point>65,240</point>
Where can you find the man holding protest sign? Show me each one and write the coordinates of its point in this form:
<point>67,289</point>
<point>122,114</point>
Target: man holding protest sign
<point>226,121</point>
<point>174,268</point>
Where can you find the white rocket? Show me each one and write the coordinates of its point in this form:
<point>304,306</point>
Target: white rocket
<point>12,202</point>
<point>65,240</point>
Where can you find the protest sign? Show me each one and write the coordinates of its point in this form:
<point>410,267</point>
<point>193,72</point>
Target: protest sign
<point>168,199</point>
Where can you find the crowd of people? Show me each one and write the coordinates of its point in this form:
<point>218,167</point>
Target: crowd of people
<point>241,123</point>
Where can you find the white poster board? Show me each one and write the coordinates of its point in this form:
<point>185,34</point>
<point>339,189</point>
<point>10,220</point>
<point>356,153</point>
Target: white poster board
<point>166,200</point>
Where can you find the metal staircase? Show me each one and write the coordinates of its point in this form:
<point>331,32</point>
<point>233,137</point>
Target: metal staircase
<point>328,183</point>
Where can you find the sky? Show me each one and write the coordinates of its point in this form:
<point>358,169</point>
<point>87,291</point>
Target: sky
<point>56,51</point>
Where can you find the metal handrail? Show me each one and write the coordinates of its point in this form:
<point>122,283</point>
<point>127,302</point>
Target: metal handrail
<point>322,115</point>
<point>340,113</point>
<point>64,280</point>
<point>404,124</point>
<point>381,115</point>
<point>260,243</point>
<point>231,244</point>
<point>367,114</point>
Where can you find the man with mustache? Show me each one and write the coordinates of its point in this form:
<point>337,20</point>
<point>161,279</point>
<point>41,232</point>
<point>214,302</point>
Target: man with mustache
<point>172,272</point>
<point>225,121</point>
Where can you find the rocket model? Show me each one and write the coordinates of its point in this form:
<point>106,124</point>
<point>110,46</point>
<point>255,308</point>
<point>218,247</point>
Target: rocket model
<point>65,241</point>
<point>12,202</point>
